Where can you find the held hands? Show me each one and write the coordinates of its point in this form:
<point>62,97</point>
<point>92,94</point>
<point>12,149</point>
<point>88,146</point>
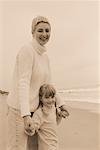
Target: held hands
<point>28,125</point>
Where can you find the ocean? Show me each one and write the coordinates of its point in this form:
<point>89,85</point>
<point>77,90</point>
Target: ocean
<point>91,95</point>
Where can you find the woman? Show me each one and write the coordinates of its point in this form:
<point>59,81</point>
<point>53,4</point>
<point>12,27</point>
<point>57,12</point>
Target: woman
<point>31,71</point>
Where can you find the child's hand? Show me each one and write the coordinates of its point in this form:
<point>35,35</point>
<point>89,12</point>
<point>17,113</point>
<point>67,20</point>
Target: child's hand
<point>64,111</point>
<point>64,114</point>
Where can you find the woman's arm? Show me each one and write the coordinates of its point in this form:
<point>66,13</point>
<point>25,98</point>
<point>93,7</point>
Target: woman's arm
<point>24,69</point>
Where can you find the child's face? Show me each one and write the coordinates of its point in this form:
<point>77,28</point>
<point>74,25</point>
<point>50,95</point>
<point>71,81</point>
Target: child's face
<point>48,101</point>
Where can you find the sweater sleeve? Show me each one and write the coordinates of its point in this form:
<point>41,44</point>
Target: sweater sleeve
<point>24,61</point>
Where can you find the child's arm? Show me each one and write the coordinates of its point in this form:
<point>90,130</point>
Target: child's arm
<point>58,119</point>
<point>36,124</point>
<point>64,111</point>
<point>58,115</point>
<point>61,113</point>
<point>62,105</point>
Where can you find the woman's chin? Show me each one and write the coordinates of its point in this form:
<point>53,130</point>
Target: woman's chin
<point>43,42</point>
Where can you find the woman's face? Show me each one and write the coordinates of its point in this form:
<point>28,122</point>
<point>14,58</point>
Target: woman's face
<point>42,33</point>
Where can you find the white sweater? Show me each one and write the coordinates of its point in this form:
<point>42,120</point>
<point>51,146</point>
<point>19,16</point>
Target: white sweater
<point>31,71</point>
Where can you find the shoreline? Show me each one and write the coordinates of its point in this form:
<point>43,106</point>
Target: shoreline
<point>84,105</point>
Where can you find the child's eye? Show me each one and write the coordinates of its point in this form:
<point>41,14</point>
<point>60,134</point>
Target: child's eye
<point>52,95</point>
<point>47,96</point>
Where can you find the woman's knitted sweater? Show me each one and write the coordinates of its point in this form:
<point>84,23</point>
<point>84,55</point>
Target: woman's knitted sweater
<point>31,71</point>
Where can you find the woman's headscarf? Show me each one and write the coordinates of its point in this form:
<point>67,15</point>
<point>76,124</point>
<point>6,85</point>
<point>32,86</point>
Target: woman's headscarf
<point>38,20</point>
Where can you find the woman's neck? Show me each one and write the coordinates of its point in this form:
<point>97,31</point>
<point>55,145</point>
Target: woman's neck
<point>39,48</point>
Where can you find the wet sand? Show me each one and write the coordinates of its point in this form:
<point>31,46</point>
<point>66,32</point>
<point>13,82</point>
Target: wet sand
<point>80,131</point>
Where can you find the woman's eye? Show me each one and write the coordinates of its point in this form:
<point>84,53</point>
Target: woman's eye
<point>47,30</point>
<point>40,30</point>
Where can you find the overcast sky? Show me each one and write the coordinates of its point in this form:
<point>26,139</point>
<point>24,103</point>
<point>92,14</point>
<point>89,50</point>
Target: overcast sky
<point>73,47</point>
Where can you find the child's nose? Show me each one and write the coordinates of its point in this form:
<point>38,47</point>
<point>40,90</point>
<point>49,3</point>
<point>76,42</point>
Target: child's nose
<point>52,100</point>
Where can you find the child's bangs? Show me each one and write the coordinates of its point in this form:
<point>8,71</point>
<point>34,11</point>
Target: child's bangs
<point>47,91</point>
<point>50,92</point>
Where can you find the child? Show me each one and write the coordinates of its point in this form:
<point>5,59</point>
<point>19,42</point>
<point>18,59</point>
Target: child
<point>45,119</point>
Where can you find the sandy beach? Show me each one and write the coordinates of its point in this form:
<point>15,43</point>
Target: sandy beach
<point>80,131</point>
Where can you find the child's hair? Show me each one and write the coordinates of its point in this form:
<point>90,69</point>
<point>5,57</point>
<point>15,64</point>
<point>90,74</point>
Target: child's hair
<point>46,90</point>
